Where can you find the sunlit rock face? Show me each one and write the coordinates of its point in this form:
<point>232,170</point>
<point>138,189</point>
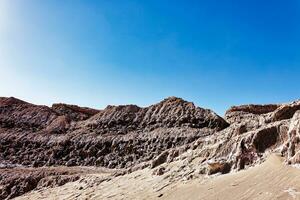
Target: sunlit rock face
<point>255,131</point>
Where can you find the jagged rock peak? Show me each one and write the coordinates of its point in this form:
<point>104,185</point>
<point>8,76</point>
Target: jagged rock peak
<point>253,108</point>
<point>18,113</point>
<point>172,99</point>
<point>286,111</point>
<point>11,101</point>
<point>74,112</point>
<point>170,112</point>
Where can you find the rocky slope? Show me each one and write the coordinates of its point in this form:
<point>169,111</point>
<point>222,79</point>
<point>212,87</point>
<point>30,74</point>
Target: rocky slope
<point>130,138</point>
<point>118,136</point>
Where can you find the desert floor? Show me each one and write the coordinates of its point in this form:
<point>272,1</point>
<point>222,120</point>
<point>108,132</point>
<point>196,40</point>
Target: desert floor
<point>268,181</point>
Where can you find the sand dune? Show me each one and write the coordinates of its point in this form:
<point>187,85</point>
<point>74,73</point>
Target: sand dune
<point>268,181</point>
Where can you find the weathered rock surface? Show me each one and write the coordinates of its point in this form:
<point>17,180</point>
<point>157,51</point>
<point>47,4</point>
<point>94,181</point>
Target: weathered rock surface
<point>169,113</point>
<point>17,114</point>
<point>132,138</point>
<point>254,131</point>
<point>292,145</point>
<point>74,112</point>
<point>17,181</point>
<point>118,136</point>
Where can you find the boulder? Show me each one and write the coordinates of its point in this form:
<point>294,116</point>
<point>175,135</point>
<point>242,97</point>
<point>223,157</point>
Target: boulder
<point>162,158</point>
<point>218,167</point>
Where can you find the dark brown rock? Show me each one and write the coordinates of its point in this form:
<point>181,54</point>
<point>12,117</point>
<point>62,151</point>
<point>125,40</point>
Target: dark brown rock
<point>265,138</point>
<point>162,158</point>
<point>116,137</point>
<point>74,112</point>
<point>171,112</point>
<point>15,113</point>
<point>285,111</point>
<point>17,181</point>
<point>254,109</point>
<point>219,167</point>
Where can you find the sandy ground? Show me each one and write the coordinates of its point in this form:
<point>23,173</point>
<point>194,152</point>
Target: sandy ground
<point>268,181</point>
<point>271,180</point>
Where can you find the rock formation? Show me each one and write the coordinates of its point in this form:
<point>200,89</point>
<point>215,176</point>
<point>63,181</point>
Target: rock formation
<point>130,137</point>
<point>118,136</point>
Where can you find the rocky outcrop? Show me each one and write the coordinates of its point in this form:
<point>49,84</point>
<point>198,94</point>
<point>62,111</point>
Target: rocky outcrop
<point>17,114</point>
<point>74,112</point>
<point>116,137</point>
<point>265,138</point>
<point>285,111</point>
<point>162,158</point>
<point>292,146</point>
<point>169,113</point>
<point>15,182</point>
<point>252,108</point>
<point>132,138</point>
<point>254,132</point>
<point>250,116</point>
<point>219,167</point>
<point>128,135</point>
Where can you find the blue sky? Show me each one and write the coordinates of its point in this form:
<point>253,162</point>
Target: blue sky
<point>94,53</point>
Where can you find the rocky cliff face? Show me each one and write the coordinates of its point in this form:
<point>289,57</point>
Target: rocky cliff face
<point>130,137</point>
<point>118,136</point>
<point>254,132</point>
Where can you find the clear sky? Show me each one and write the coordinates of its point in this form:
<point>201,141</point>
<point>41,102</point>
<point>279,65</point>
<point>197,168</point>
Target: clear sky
<point>94,53</point>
